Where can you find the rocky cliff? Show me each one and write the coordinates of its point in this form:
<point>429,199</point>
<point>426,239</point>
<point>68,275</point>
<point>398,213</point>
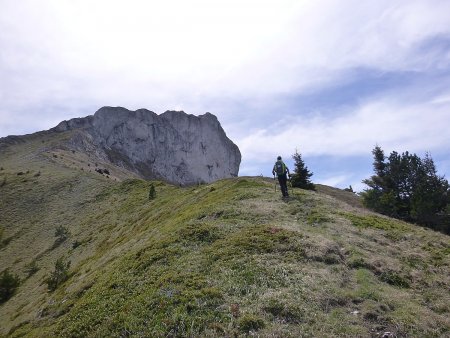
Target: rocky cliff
<point>174,146</point>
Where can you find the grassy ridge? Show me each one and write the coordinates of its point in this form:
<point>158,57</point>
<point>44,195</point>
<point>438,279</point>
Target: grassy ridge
<point>226,259</point>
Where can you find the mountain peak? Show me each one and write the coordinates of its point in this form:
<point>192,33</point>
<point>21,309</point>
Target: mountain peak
<point>177,147</point>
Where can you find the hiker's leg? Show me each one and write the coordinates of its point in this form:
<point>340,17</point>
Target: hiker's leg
<point>283,184</point>
<point>280,180</point>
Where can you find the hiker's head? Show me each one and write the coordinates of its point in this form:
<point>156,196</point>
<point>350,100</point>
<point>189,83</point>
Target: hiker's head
<point>279,158</point>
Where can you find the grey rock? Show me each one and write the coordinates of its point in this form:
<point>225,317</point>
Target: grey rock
<point>174,146</point>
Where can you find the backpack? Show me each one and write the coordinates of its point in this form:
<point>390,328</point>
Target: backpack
<point>280,168</point>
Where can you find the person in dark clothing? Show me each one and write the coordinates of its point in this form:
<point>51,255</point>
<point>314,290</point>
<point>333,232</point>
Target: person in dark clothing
<point>282,172</point>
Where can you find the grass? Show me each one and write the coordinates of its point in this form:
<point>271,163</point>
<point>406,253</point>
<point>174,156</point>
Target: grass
<point>226,259</point>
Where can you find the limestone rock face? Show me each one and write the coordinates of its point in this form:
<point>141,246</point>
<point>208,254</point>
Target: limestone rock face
<point>174,146</point>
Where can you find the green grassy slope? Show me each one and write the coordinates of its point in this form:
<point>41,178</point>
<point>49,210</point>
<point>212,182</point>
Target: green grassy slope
<point>225,259</point>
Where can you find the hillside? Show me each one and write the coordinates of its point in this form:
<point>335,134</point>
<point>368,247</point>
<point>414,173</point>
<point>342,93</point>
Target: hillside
<point>230,258</point>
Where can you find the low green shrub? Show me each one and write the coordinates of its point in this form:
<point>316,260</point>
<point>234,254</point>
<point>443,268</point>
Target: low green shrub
<point>31,268</point>
<point>358,262</point>
<point>249,322</point>
<point>394,278</point>
<point>201,232</point>
<point>372,221</point>
<point>286,311</point>
<point>76,244</point>
<point>317,217</point>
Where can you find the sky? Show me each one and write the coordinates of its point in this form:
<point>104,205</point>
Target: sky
<point>327,78</point>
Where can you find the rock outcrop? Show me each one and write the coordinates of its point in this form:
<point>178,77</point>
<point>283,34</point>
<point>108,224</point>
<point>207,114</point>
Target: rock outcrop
<point>174,146</point>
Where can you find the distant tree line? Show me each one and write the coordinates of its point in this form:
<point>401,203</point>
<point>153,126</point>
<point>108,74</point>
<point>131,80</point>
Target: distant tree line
<point>408,187</point>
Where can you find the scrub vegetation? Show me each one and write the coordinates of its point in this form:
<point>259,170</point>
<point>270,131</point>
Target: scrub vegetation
<point>227,259</point>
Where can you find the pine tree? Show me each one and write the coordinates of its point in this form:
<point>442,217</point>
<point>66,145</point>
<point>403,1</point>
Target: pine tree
<point>430,199</point>
<point>408,187</point>
<point>301,176</point>
<point>379,197</point>
<point>152,192</point>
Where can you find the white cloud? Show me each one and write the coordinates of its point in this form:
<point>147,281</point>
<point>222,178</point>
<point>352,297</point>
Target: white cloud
<point>334,180</point>
<point>152,54</point>
<point>326,38</point>
<point>171,41</point>
<point>393,124</point>
<point>443,99</point>
<point>101,48</point>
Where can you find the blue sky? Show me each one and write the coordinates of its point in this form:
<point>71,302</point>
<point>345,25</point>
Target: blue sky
<point>330,78</point>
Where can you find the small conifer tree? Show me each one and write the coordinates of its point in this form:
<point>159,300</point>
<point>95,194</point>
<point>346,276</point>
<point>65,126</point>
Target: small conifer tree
<point>31,268</point>
<point>61,234</point>
<point>152,192</point>
<point>301,176</point>
<point>59,275</point>
<point>8,285</point>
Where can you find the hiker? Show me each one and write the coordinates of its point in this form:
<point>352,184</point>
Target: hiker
<point>281,170</point>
